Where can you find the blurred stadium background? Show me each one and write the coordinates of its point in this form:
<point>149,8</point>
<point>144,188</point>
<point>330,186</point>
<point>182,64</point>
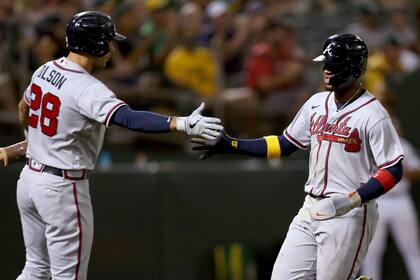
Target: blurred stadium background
<point>159,212</point>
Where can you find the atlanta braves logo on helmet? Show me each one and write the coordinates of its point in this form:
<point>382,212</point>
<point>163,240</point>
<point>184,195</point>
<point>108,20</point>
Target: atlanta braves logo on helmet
<point>329,50</point>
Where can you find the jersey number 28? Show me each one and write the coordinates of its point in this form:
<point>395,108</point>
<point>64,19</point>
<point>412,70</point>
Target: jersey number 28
<point>50,109</point>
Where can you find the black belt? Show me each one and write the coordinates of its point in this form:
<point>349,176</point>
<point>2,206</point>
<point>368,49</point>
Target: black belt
<point>56,171</point>
<point>317,196</point>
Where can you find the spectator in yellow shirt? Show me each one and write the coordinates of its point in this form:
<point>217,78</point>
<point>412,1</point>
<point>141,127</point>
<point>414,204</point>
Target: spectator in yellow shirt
<point>189,65</point>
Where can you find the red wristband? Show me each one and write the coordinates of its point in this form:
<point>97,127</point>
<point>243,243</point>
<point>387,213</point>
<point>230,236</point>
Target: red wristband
<point>385,178</point>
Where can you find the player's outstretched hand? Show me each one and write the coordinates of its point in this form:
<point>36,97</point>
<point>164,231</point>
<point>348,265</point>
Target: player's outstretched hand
<point>334,206</point>
<point>199,125</point>
<point>221,145</point>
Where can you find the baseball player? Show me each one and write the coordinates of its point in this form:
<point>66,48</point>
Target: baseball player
<point>355,156</point>
<point>401,224</point>
<point>66,111</point>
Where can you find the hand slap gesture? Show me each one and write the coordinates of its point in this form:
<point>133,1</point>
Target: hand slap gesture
<point>222,145</point>
<point>199,125</point>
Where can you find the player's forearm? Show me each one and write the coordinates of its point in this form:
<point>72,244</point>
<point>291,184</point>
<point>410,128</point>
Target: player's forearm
<point>380,183</point>
<point>268,146</point>
<point>195,124</point>
<point>251,147</point>
<point>13,152</point>
<point>142,121</point>
<point>23,109</point>
<point>383,181</point>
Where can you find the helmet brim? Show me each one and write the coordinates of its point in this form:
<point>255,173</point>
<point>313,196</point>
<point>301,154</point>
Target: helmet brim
<point>328,59</point>
<point>320,58</point>
<point>118,37</point>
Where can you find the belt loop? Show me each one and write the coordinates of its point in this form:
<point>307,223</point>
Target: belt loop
<point>66,176</point>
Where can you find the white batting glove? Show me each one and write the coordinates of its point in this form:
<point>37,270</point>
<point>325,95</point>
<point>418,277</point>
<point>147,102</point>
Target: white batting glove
<point>331,207</point>
<point>198,125</point>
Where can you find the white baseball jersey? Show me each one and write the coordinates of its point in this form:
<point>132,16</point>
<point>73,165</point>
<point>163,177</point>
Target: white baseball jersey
<point>69,110</point>
<point>348,145</point>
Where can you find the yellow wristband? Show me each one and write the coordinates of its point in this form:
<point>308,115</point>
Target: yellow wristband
<point>273,146</point>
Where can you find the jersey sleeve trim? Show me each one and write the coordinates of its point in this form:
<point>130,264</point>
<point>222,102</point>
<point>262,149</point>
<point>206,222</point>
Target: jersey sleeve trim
<point>294,141</point>
<point>391,163</point>
<point>112,111</point>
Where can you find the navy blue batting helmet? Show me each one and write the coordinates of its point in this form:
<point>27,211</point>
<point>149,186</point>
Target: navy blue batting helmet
<point>90,32</point>
<point>347,54</point>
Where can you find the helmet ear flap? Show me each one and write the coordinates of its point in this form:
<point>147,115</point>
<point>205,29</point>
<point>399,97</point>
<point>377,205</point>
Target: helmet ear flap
<point>87,45</point>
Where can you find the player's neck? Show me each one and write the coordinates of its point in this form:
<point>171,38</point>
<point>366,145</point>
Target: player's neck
<point>82,60</point>
<point>347,94</point>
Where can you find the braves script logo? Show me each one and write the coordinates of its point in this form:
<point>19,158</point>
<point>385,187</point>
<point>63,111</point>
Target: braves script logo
<point>337,132</point>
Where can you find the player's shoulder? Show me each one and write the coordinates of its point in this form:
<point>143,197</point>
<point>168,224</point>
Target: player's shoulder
<point>77,73</point>
<point>372,112</point>
<point>317,98</point>
<point>374,109</point>
<point>93,84</point>
<point>40,68</point>
<point>321,95</point>
<point>93,89</point>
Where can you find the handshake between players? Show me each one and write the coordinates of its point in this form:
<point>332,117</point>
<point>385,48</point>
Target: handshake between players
<point>195,124</point>
<point>213,140</point>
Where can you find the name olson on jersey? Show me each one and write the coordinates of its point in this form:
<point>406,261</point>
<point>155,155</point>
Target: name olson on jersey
<point>53,76</point>
<point>339,133</point>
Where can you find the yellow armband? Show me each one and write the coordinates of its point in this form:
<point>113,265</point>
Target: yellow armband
<point>273,146</point>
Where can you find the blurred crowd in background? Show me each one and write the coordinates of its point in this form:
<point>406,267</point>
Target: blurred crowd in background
<point>249,60</point>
